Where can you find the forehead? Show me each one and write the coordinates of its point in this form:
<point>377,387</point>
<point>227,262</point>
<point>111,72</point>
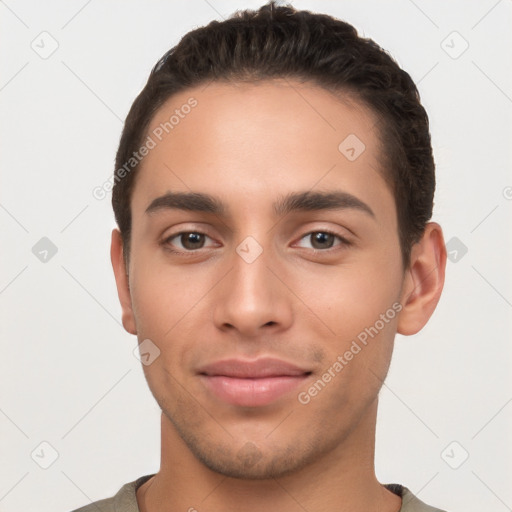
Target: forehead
<point>234,138</point>
<point>270,110</point>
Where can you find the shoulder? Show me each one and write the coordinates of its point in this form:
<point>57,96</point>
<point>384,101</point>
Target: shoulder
<point>410,503</point>
<point>124,501</point>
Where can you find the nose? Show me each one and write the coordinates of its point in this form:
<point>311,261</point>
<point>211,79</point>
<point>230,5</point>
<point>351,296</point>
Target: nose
<point>253,300</point>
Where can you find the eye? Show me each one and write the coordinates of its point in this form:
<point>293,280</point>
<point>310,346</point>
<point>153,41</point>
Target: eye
<point>322,240</point>
<point>187,241</point>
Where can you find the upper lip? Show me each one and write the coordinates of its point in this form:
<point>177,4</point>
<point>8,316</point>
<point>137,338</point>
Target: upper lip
<point>256,369</point>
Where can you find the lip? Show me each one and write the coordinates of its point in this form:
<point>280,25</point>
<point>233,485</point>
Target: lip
<point>251,383</point>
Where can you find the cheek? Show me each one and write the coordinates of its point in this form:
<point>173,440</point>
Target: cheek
<point>170,307</point>
<point>161,299</point>
<point>163,295</point>
<point>361,310</point>
<point>359,304</point>
<point>350,298</point>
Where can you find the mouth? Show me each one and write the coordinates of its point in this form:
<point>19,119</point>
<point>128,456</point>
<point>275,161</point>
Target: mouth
<point>252,383</point>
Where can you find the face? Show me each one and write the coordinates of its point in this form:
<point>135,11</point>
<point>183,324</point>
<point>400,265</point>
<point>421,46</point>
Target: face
<point>273,293</point>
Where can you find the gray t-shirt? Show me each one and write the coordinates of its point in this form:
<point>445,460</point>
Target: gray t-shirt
<point>126,501</point>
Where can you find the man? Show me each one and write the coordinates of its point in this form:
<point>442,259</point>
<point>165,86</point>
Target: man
<point>273,189</point>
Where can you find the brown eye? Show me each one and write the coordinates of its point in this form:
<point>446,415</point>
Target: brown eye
<point>192,240</point>
<point>322,240</point>
<point>186,241</point>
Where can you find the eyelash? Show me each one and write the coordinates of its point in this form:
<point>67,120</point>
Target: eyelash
<point>166,242</point>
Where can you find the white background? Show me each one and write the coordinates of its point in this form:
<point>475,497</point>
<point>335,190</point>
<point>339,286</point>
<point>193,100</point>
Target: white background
<point>68,374</point>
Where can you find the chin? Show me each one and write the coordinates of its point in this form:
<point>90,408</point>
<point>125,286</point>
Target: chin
<point>249,463</point>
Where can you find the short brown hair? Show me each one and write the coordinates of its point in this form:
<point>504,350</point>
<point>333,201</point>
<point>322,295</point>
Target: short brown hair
<point>279,41</point>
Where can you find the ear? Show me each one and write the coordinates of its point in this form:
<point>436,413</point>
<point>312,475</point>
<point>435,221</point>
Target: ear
<point>424,281</point>
<point>122,282</point>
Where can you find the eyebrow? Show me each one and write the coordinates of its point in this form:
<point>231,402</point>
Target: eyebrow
<point>296,201</point>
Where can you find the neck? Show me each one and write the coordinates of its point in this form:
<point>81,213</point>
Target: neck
<point>341,480</point>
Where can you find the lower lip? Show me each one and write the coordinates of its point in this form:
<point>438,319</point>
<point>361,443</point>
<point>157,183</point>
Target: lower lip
<point>251,392</point>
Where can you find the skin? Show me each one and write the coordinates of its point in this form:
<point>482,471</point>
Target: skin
<point>249,145</point>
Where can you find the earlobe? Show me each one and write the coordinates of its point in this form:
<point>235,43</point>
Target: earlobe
<point>423,281</point>
<point>122,283</point>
